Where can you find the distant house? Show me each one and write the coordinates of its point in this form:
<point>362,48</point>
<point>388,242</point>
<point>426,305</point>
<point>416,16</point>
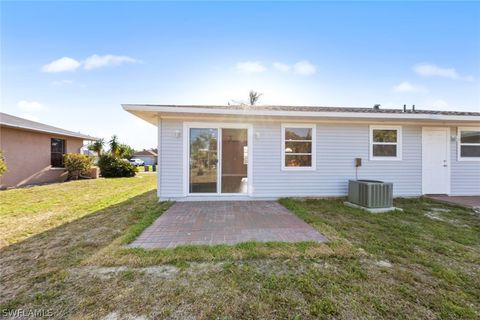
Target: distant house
<point>34,151</point>
<point>266,152</point>
<point>148,156</point>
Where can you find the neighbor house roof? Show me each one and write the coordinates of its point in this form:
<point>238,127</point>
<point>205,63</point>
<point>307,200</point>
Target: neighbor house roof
<point>150,112</point>
<point>8,120</point>
<point>144,153</point>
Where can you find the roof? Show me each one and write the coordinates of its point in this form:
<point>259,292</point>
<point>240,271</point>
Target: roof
<point>8,120</point>
<point>149,112</point>
<point>311,109</point>
<point>144,153</point>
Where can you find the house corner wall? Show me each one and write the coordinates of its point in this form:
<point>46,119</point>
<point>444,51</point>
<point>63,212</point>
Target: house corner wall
<point>170,159</point>
<point>27,155</point>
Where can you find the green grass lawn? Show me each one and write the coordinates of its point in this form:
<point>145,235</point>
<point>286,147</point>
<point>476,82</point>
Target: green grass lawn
<point>63,250</point>
<point>142,168</point>
<point>29,211</point>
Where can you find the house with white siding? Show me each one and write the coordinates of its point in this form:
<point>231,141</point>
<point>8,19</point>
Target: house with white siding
<point>266,152</point>
<point>149,157</point>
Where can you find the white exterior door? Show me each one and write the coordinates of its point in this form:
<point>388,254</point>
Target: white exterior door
<point>436,160</point>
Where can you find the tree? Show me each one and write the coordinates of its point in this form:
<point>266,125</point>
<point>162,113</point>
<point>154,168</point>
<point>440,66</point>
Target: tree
<point>254,97</point>
<point>125,151</point>
<point>114,146</point>
<point>97,146</point>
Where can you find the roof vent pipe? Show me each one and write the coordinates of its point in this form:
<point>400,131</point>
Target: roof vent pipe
<point>376,107</point>
<point>404,108</point>
<point>413,108</point>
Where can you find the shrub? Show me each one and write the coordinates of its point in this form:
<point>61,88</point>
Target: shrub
<point>111,166</point>
<point>3,164</point>
<point>77,164</point>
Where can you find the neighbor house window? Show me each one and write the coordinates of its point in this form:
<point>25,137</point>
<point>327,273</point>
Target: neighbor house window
<point>57,150</point>
<point>298,146</point>
<point>385,143</point>
<point>469,143</point>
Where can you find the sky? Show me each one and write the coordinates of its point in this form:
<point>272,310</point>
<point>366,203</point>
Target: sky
<point>72,64</point>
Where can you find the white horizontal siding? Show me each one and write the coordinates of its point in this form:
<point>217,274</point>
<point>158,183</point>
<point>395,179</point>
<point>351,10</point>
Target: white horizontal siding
<point>465,175</point>
<point>337,147</point>
<point>171,160</point>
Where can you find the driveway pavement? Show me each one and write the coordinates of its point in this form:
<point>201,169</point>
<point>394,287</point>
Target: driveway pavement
<point>229,222</point>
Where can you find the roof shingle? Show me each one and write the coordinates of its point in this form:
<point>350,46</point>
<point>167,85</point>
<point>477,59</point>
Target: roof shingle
<point>314,109</point>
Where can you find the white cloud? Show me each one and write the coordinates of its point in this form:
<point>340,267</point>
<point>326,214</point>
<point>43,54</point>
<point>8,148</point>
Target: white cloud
<point>31,106</point>
<point>96,61</point>
<point>92,62</point>
<point>62,65</point>
<point>281,66</point>
<point>430,70</point>
<point>61,82</point>
<point>304,68</point>
<point>250,67</point>
<point>407,87</point>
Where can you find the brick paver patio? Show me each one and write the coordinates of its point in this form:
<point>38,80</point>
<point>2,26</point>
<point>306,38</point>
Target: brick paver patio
<point>466,201</point>
<point>227,222</point>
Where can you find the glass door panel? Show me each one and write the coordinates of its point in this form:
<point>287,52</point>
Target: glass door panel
<point>203,160</point>
<point>234,160</point>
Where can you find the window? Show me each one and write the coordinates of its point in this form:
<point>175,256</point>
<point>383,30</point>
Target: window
<point>469,144</point>
<point>57,150</point>
<point>385,143</point>
<point>298,147</point>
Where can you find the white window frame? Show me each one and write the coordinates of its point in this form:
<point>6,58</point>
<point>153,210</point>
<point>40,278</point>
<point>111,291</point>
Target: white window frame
<point>460,144</point>
<point>398,143</point>
<point>314,153</point>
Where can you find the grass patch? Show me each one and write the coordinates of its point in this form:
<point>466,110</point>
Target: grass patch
<point>118,255</point>
<point>81,269</point>
<point>25,212</point>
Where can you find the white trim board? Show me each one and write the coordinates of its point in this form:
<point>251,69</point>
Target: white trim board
<point>314,147</point>
<point>399,143</point>
<point>316,120</point>
<point>459,143</point>
<point>276,113</point>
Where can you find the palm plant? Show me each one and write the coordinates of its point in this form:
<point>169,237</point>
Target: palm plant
<point>114,145</point>
<point>254,97</point>
<point>97,146</point>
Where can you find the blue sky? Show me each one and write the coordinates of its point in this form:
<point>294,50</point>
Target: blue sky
<point>72,64</point>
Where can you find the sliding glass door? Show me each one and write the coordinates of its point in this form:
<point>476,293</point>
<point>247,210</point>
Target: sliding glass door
<point>234,160</point>
<point>218,160</point>
<point>203,160</point>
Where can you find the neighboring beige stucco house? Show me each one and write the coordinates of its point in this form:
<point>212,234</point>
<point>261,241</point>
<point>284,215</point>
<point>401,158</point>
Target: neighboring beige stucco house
<point>34,151</point>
